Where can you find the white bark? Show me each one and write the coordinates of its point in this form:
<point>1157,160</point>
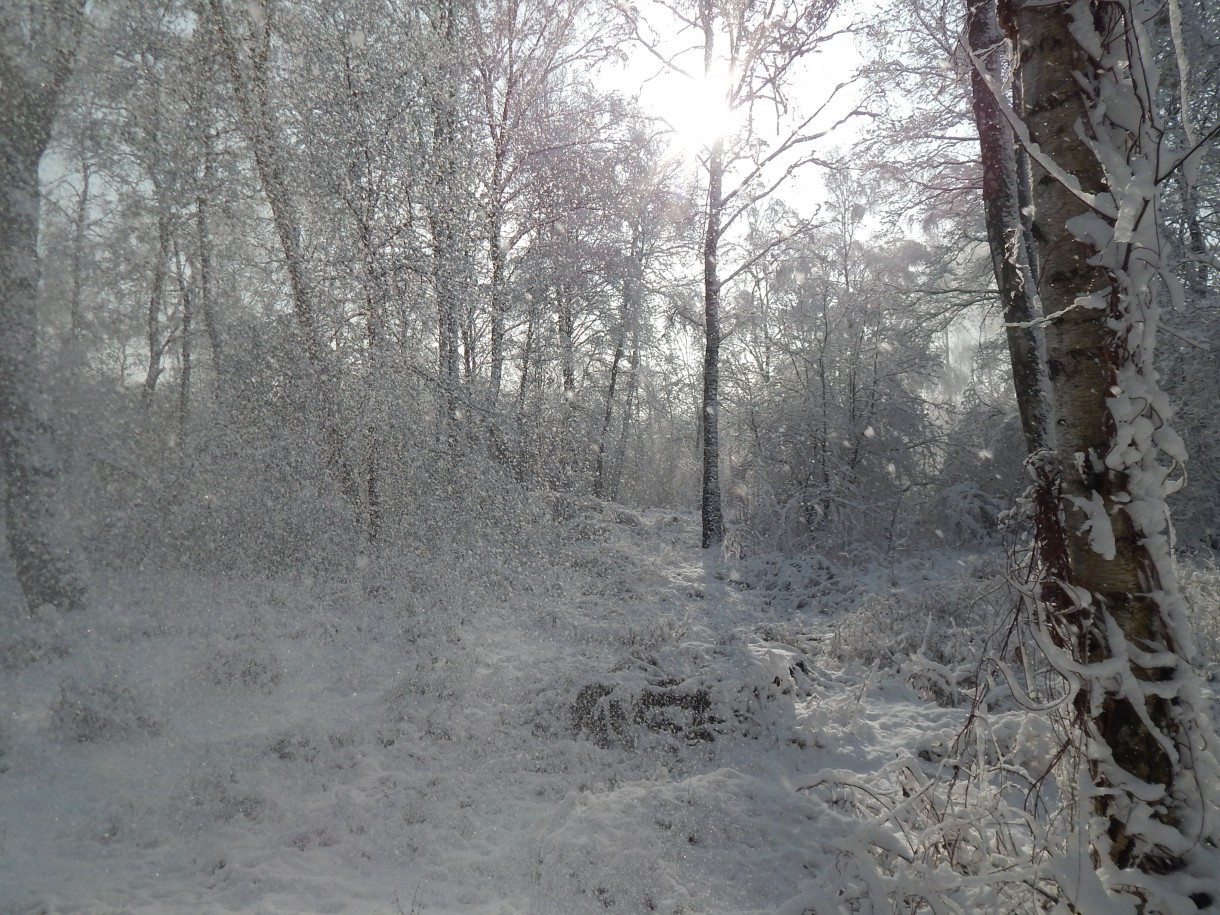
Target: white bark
<point>1110,600</point>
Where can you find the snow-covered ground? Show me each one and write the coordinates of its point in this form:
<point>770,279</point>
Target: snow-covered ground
<point>623,728</point>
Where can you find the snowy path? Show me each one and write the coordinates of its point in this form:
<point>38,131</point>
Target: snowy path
<point>303,747</point>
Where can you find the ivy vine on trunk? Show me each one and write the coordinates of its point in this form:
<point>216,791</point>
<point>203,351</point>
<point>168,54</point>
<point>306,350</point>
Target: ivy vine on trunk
<point>1108,605</point>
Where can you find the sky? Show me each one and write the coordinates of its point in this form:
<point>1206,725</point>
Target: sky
<point>697,113</point>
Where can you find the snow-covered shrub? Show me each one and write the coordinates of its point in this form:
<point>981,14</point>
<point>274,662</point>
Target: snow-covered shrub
<point>969,817</point>
<point>264,478</point>
<point>831,439</point>
<point>566,507</point>
<point>928,838</point>
<point>245,489</point>
<point>765,523</point>
<point>641,697</point>
<point>464,518</point>
<point>688,689</point>
<point>965,515</point>
<point>99,712</point>
<point>651,636</point>
<point>934,632</point>
<point>440,668</point>
<point>820,583</point>
<point>985,446</point>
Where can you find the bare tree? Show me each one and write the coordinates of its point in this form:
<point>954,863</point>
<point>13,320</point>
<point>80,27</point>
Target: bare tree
<point>748,54</point>
<point>523,51</point>
<point>247,55</point>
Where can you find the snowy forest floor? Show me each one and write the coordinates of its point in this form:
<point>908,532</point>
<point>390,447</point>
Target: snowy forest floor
<point>618,726</point>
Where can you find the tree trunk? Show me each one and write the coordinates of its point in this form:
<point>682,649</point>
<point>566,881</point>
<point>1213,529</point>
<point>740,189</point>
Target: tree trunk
<point>48,563</point>
<point>449,364</point>
<point>1109,594</point>
<point>184,346</point>
<point>712,513</point>
<point>206,305</point>
<point>629,409</point>
<point>1197,275</point>
<point>620,343</point>
<point>442,216</point>
<point>251,92</point>
<point>1005,233</point>
<point>156,302</point>
<point>80,225</point>
<point>496,253</point>
<point>470,344</point>
<point>248,75</point>
<point>372,488</point>
<point>527,355</point>
<point>565,325</point>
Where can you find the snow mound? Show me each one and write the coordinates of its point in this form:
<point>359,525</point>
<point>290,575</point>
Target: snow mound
<point>721,841</point>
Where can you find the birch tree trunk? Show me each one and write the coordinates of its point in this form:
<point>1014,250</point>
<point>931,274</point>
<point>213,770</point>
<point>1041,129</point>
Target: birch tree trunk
<point>36,58</point>
<point>750,52</point>
<point>1109,600</point>
<point>1010,257</point>
<point>629,410</point>
<point>498,258</point>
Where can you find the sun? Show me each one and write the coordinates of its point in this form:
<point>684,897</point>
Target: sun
<point>699,111</point>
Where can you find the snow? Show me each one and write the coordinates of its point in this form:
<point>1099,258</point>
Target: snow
<point>194,744</point>
<point>411,739</point>
<point>1097,523</point>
